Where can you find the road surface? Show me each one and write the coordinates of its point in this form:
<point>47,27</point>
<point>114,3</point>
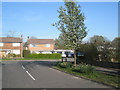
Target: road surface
<point>39,74</point>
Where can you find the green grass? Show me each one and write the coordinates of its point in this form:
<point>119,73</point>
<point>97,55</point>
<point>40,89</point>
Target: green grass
<point>96,76</point>
<point>6,59</point>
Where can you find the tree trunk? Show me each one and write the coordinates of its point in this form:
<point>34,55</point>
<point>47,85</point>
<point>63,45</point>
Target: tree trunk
<point>62,59</point>
<point>75,58</point>
<point>66,59</point>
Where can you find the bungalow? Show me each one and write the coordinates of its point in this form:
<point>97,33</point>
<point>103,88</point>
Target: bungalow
<point>40,45</point>
<point>10,45</point>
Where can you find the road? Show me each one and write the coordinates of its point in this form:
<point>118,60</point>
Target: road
<point>39,74</point>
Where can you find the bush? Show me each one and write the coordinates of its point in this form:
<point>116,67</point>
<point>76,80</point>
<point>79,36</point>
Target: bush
<point>90,52</point>
<point>14,55</point>
<point>26,53</point>
<point>84,69</point>
<point>45,56</point>
<point>18,55</point>
<point>11,55</point>
<point>65,65</point>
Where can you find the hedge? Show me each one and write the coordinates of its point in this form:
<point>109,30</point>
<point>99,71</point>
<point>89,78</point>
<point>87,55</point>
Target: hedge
<point>45,56</point>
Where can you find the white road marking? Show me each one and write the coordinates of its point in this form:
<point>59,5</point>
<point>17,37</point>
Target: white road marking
<point>30,75</point>
<point>23,67</point>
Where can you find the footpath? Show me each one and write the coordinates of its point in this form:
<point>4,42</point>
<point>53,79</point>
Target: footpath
<point>109,71</point>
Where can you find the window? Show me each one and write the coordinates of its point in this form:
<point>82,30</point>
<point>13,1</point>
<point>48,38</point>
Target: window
<point>32,45</point>
<point>16,44</point>
<point>47,45</point>
<point>16,51</point>
<point>1,44</point>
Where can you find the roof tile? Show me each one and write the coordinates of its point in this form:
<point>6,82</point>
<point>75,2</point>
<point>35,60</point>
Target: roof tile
<point>40,41</point>
<point>10,39</point>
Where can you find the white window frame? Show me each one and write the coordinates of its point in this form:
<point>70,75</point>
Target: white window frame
<point>1,44</point>
<point>47,45</point>
<point>32,45</point>
<point>16,51</point>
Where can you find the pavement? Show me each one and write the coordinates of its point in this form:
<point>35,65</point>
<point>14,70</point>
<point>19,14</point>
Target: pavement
<point>39,74</point>
<point>110,71</point>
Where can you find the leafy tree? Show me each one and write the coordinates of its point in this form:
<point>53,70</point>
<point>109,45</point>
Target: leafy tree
<point>98,40</point>
<point>71,24</point>
<point>116,47</point>
<point>60,43</point>
<point>102,44</point>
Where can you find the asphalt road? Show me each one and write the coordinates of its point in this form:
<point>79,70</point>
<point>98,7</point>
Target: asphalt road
<point>39,74</point>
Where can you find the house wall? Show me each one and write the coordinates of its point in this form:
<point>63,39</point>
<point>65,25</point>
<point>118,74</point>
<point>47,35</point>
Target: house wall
<point>15,49</point>
<point>41,47</point>
<point>10,46</point>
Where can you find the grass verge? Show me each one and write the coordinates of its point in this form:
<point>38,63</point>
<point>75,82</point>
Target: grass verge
<point>96,76</point>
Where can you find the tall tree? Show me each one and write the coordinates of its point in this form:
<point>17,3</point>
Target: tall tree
<point>71,24</point>
<point>60,43</point>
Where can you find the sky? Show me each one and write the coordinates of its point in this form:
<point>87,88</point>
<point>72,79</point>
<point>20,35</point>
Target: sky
<point>35,19</point>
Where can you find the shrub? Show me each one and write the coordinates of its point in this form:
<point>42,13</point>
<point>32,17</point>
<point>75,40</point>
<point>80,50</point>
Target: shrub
<point>11,55</point>
<point>14,55</point>
<point>18,55</point>
<point>90,52</point>
<point>84,69</point>
<point>65,65</point>
<point>45,56</point>
<point>26,53</point>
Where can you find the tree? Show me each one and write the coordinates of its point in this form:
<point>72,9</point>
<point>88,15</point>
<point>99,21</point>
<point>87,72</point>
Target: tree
<point>116,47</point>
<point>98,40</point>
<point>60,43</point>
<point>71,24</point>
<point>104,47</point>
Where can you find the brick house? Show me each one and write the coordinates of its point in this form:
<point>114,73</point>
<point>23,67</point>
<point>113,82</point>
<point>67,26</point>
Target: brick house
<point>40,45</point>
<point>10,45</point>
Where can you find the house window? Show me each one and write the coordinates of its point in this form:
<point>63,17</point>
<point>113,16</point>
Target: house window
<point>16,51</point>
<point>32,45</point>
<point>47,45</point>
<point>1,44</point>
<point>16,44</point>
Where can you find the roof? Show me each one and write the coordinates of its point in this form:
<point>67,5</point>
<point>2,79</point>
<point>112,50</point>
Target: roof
<point>40,41</point>
<point>10,39</point>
